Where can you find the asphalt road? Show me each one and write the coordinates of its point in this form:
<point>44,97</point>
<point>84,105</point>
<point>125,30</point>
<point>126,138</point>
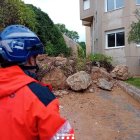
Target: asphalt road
<point>102,115</point>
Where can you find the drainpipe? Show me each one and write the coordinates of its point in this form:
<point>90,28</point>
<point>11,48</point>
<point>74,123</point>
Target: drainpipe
<point>94,28</point>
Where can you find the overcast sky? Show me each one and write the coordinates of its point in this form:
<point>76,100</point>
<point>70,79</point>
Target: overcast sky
<point>64,12</point>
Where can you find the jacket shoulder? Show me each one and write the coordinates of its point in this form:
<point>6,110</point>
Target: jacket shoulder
<point>43,93</point>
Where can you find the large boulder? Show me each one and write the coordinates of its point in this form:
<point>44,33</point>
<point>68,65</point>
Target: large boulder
<point>79,81</point>
<point>120,72</point>
<point>69,67</point>
<point>46,64</point>
<point>56,78</point>
<point>97,73</point>
<point>44,61</point>
<point>104,84</point>
<point>60,61</point>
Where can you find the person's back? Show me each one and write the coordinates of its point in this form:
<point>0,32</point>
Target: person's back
<point>28,109</point>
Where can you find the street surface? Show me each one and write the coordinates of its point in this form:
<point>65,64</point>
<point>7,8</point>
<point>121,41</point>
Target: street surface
<point>102,115</point>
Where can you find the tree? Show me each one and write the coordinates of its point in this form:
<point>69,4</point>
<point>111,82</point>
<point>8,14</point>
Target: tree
<point>9,12</point>
<point>49,34</point>
<point>83,47</point>
<point>62,28</point>
<point>16,12</point>
<point>28,17</point>
<point>71,34</point>
<point>134,34</point>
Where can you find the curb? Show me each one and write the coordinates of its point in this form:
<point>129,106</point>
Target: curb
<point>131,90</point>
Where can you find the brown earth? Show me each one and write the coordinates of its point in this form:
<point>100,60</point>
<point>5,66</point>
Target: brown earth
<point>102,115</point>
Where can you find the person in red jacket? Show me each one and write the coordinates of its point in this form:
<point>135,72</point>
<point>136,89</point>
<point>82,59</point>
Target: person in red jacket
<point>28,109</point>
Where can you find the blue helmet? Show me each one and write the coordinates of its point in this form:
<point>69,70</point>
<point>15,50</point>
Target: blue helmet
<point>18,43</point>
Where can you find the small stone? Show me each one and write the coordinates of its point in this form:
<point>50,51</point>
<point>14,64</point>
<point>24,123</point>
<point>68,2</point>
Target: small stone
<point>61,107</point>
<point>96,123</point>
<point>91,90</point>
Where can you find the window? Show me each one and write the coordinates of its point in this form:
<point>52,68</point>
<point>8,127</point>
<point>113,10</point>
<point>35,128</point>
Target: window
<point>137,1</point>
<point>115,39</point>
<point>114,4</point>
<point>86,4</point>
<point>110,5</point>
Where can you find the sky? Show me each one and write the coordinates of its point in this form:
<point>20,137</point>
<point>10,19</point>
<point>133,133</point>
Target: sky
<point>64,12</point>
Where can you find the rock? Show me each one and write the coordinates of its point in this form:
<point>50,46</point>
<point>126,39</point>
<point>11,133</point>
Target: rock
<point>104,84</point>
<point>68,69</point>
<point>91,90</point>
<point>45,62</point>
<point>71,62</point>
<point>56,78</point>
<point>120,72</point>
<point>79,81</point>
<point>71,44</point>
<point>88,67</point>
<point>97,73</point>
<point>42,57</point>
<point>60,61</point>
<point>60,93</point>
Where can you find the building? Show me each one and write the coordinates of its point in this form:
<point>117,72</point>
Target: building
<point>107,25</point>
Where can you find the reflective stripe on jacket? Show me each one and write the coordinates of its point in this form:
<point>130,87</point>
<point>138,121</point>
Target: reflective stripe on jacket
<point>22,114</point>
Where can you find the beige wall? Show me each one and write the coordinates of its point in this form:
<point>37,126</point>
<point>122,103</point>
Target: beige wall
<point>71,44</point>
<point>88,41</point>
<point>107,21</point>
<point>85,15</point>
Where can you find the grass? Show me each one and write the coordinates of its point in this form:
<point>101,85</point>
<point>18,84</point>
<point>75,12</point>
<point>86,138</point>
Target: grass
<point>134,82</point>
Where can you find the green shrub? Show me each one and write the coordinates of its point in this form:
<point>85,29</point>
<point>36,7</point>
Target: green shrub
<point>49,49</point>
<point>80,64</point>
<point>81,52</point>
<point>81,59</point>
<point>83,46</point>
<point>49,34</point>
<point>35,19</point>
<point>101,60</point>
<point>99,57</point>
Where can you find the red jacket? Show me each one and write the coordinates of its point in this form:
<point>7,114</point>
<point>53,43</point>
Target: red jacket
<point>23,116</point>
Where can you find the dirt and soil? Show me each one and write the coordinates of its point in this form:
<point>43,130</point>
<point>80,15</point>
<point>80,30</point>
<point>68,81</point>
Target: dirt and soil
<point>102,115</point>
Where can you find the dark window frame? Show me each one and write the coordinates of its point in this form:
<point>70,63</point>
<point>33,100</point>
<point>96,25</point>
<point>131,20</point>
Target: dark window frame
<point>115,32</point>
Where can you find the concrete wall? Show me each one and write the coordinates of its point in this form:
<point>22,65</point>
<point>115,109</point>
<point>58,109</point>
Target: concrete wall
<point>88,41</point>
<point>86,15</point>
<point>71,44</point>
